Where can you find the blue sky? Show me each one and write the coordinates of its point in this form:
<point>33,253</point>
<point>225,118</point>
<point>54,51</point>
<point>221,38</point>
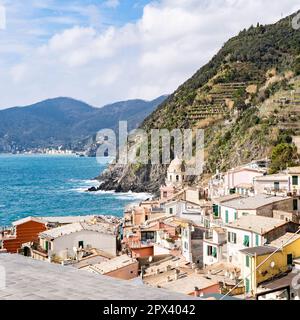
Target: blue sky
<point>102,51</point>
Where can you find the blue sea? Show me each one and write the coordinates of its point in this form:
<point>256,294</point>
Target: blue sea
<point>41,185</point>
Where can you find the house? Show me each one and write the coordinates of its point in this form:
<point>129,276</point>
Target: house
<point>192,242</point>
<point>259,205</point>
<point>274,184</point>
<point>68,241</point>
<point>217,202</point>
<point>241,175</point>
<point>122,267</point>
<point>264,263</point>
<point>174,276</point>
<point>294,180</point>
<point>214,246</point>
<point>24,230</point>
<point>254,231</point>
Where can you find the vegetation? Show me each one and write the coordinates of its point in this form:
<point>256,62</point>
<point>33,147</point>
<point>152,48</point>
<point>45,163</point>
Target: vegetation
<point>283,155</point>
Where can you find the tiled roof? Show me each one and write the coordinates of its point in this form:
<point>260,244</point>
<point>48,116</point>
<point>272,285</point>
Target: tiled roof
<point>258,224</point>
<point>29,279</point>
<point>76,227</point>
<point>252,203</point>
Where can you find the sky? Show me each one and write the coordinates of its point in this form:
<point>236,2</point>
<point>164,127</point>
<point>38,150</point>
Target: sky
<point>103,51</point>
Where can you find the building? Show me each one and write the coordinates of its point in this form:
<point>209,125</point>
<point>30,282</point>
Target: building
<point>259,205</point>
<point>241,175</point>
<point>174,181</point>
<point>214,246</point>
<point>122,267</point>
<point>254,231</point>
<point>275,184</point>
<point>294,180</point>
<point>24,230</point>
<point>258,267</point>
<point>68,241</point>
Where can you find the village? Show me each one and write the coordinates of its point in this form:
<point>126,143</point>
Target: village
<point>236,237</point>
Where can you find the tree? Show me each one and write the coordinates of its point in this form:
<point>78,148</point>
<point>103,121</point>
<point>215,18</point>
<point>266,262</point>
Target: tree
<point>283,155</point>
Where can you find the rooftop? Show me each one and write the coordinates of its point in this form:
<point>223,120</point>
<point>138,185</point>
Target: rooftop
<point>273,177</point>
<point>111,265</point>
<point>76,227</point>
<point>29,279</point>
<point>259,251</point>
<point>286,239</point>
<point>293,170</point>
<point>252,203</point>
<point>227,198</point>
<point>258,224</point>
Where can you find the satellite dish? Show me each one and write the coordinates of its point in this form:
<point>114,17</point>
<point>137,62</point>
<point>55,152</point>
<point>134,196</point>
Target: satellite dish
<point>272,264</point>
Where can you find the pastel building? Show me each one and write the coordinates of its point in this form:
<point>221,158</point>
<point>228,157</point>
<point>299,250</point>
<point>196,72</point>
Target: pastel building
<point>254,231</point>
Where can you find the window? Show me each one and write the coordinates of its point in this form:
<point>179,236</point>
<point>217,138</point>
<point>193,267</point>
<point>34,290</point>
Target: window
<point>257,240</point>
<point>171,210</point>
<point>247,261</point>
<point>232,237</point>
<point>235,215</point>
<point>214,252</point>
<point>295,204</point>
<point>80,244</point>
<point>246,241</point>
<point>216,210</point>
<point>46,245</point>
<point>276,186</point>
<point>295,180</point>
<point>289,259</point>
<point>226,216</point>
<point>165,194</point>
<point>148,235</point>
<point>186,245</point>
<point>177,178</point>
<point>247,285</point>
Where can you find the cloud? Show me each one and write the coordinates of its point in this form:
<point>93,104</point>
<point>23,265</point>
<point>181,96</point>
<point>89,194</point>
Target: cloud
<point>142,59</point>
<point>112,3</point>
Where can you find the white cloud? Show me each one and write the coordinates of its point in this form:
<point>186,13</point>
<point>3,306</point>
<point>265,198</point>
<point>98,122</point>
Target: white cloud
<point>145,59</point>
<point>112,3</point>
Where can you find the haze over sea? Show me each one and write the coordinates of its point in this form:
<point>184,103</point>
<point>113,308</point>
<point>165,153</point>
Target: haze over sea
<point>41,185</point>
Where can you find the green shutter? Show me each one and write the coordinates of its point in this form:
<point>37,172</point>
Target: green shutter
<point>246,241</point>
<point>226,216</point>
<point>46,245</point>
<point>247,261</point>
<point>214,252</point>
<point>257,240</point>
<point>235,215</point>
<point>247,285</point>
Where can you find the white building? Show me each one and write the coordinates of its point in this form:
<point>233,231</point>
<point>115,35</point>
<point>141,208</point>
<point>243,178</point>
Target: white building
<point>259,205</point>
<point>272,184</point>
<point>252,231</point>
<point>66,241</point>
<point>214,246</point>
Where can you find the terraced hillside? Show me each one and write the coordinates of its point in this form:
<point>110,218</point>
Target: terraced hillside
<point>246,98</point>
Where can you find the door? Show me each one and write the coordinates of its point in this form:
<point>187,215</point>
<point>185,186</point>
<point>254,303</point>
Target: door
<point>289,259</point>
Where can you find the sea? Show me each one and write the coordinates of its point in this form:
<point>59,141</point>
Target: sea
<point>48,185</point>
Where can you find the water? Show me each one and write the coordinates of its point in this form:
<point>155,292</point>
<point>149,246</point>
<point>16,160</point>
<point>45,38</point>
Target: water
<point>34,185</point>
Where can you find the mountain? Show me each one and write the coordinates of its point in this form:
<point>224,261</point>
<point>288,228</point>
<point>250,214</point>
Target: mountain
<point>247,99</point>
<point>65,121</point>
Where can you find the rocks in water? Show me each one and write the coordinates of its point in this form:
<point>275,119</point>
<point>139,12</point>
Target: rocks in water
<point>92,189</point>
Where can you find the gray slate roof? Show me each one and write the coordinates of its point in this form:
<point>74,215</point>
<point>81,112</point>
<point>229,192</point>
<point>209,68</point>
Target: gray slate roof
<point>28,279</point>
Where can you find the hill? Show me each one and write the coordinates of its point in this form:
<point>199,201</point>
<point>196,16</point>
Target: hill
<point>65,121</point>
<point>246,98</point>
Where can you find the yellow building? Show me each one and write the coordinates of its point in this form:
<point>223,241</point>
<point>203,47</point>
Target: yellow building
<point>258,266</point>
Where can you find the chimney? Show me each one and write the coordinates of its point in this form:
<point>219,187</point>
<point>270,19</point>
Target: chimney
<point>177,273</point>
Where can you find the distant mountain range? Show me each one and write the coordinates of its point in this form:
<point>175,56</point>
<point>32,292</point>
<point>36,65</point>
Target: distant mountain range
<point>66,122</point>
